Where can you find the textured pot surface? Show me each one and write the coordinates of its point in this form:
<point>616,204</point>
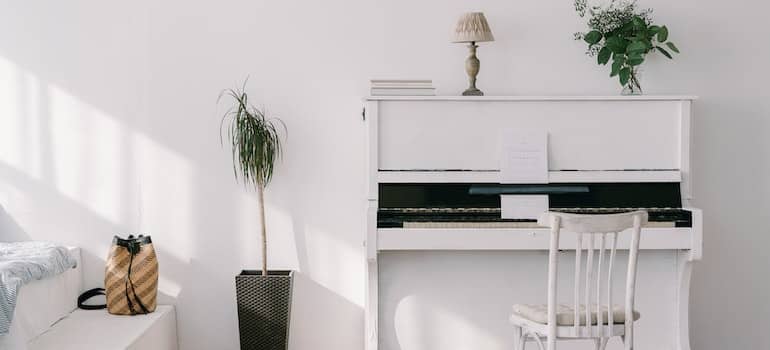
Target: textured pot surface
<point>264,308</point>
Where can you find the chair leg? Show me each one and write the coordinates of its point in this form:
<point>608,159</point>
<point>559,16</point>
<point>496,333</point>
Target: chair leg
<point>517,338</point>
<point>627,342</point>
<point>597,343</point>
<point>603,343</point>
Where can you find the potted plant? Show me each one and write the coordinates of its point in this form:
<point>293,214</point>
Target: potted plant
<point>264,296</point>
<point>621,32</point>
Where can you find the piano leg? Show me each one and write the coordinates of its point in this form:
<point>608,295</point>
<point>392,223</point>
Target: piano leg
<point>684,272</point>
<point>372,300</point>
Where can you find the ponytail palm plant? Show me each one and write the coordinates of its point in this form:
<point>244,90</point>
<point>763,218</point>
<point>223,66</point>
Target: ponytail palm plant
<point>256,146</point>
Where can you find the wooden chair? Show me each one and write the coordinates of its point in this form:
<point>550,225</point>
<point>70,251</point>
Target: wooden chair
<point>584,320</point>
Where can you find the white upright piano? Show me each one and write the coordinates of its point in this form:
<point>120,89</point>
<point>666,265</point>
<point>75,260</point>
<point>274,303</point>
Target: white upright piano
<point>443,267</point>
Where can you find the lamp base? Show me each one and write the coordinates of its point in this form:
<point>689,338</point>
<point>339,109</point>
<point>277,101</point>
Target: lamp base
<point>472,66</point>
<point>473,92</point>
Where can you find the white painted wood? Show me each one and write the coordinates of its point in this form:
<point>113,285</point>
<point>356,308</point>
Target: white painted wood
<point>493,176</point>
<point>371,301</point>
<point>684,273</point>
<point>613,254</point>
<point>578,263</point>
<point>390,239</point>
<point>371,332</point>
<point>696,252</point>
<point>594,224</point>
<point>685,144</point>
<point>371,115</point>
<point>371,231</point>
<point>598,285</point>
<point>588,283</point>
<point>621,133</point>
<point>553,274</point>
<point>633,258</point>
<point>424,132</point>
<point>535,98</point>
<point>448,300</point>
<point>586,225</point>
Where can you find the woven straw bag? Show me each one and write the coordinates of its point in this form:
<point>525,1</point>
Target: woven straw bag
<point>131,276</point>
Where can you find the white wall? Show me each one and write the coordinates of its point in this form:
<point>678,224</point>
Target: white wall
<point>108,125</point>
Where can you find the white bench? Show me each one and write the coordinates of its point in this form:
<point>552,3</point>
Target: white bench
<point>44,319</point>
<point>96,329</point>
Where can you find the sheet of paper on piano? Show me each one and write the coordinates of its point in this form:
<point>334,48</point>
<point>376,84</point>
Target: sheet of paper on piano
<point>524,156</point>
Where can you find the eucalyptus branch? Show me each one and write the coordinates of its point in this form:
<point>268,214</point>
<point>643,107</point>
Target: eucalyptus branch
<point>624,34</point>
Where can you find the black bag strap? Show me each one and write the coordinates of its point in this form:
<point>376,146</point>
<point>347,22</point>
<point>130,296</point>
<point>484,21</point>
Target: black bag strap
<point>133,249</point>
<point>88,295</point>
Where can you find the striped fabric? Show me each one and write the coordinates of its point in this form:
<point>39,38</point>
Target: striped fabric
<point>143,269</point>
<point>22,262</point>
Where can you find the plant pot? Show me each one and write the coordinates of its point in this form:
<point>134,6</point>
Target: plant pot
<point>264,309</point>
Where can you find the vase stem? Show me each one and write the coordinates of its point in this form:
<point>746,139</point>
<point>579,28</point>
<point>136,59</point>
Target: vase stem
<point>633,86</point>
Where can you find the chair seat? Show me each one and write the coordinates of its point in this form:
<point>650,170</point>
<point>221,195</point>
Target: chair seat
<point>565,315</point>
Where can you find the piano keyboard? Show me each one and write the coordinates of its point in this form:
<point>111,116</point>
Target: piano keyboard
<point>490,217</point>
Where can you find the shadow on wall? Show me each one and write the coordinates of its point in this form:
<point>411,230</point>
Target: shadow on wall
<point>86,174</point>
<point>118,137</point>
<point>96,239</point>
<point>10,231</point>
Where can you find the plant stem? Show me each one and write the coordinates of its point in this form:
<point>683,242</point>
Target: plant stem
<point>261,194</point>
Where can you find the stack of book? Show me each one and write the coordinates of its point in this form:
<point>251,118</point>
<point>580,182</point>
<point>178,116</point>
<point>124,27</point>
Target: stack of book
<point>392,87</point>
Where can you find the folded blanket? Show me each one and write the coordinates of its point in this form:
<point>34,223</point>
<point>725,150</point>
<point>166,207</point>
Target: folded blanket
<point>22,262</point>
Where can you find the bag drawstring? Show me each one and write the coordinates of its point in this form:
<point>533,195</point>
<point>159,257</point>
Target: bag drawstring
<point>133,249</point>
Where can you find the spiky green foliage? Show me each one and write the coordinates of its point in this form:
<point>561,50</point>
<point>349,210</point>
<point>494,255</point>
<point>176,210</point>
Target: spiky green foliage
<point>255,141</point>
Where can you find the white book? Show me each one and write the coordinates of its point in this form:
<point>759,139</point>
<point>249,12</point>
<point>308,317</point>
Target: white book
<point>402,92</point>
<point>401,81</point>
<point>401,84</point>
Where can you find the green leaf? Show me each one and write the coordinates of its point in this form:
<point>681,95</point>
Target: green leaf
<point>635,60</point>
<point>663,34</point>
<point>604,55</point>
<point>619,57</point>
<point>638,22</point>
<point>616,65</point>
<point>653,30</point>
<point>636,47</point>
<point>624,75</point>
<point>593,37</point>
<point>616,44</point>
<point>664,52</point>
<point>672,47</point>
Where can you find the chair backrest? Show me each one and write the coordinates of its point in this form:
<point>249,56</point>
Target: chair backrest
<point>592,230</point>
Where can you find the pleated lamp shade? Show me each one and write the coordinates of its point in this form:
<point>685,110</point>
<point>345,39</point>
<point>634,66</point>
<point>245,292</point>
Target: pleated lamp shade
<point>472,27</point>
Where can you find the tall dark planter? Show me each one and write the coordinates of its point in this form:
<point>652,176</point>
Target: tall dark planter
<point>264,309</point>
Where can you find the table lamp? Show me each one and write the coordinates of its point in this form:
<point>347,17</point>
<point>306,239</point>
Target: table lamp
<point>471,28</point>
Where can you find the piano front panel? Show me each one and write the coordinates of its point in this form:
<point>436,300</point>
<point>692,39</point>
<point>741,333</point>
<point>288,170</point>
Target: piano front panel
<point>583,135</point>
<point>466,239</point>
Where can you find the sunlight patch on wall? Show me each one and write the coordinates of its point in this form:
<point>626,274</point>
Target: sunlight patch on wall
<point>419,324</point>
<point>166,197</point>
<point>84,154</point>
<point>335,264</point>
<point>167,287</point>
<point>88,152</point>
<point>17,135</point>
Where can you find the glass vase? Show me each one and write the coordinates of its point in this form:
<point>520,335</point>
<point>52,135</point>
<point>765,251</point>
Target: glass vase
<point>634,86</point>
